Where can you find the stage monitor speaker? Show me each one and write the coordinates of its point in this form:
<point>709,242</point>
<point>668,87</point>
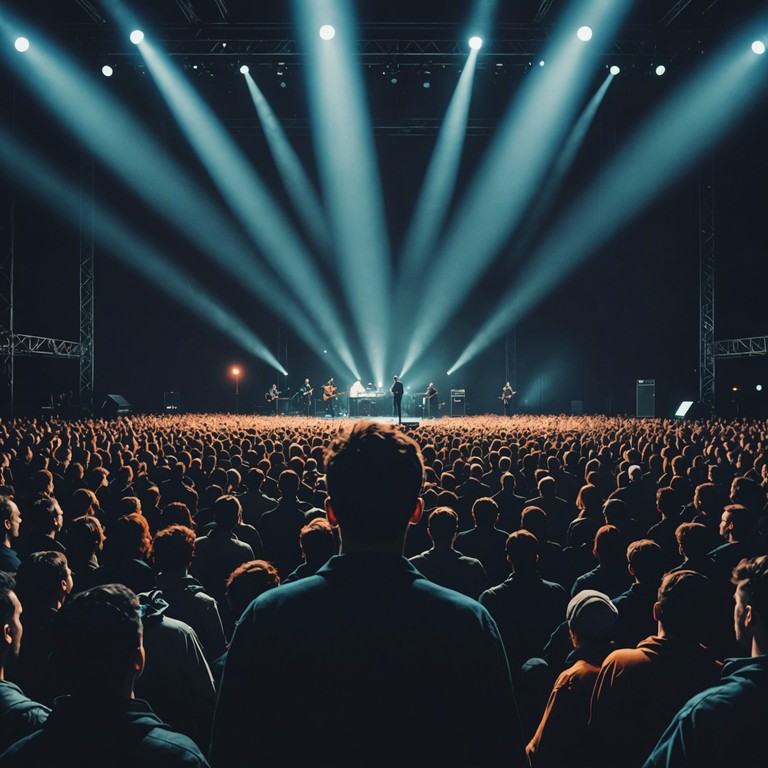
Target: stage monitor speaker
<point>116,405</point>
<point>646,398</point>
<point>458,402</point>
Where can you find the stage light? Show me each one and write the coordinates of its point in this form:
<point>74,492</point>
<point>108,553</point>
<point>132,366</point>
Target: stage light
<point>235,371</point>
<point>615,70</point>
<point>392,72</point>
<point>758,47</point>
<point>660,70</point>
<point>244,70</point>
<point>107,71</point>
<point>425,76</point>
<point>136,36</point>
<point>327,32</point>
<point>541,63</point>
<point>584,33</point>
<point>476,42</point>
<point>22,44</point>
<point>759,387</point>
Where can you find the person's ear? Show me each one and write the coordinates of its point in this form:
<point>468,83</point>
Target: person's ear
<point>330,513</point>
<point>139,659</point>
<point>7,635</point>
<point>417,511</point>
<point>748,618</point>
<point>657,612</point>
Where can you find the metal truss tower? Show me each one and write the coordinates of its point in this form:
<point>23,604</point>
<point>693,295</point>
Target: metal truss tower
<point>707,287</point>
<point>85,393</point>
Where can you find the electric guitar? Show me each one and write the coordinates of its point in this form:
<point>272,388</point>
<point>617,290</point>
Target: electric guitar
<point>507,398</point>
<point>330,395</point>
<point>308,393</point>
<point>270,398</point>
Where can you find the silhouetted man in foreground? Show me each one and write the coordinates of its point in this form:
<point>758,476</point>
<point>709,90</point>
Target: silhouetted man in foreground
<point>367,662</point>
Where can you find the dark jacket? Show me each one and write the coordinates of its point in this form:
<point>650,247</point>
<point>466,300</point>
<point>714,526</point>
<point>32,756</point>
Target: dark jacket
<point>19,715</point>
<point>395,658</point>
<point>88,734</point>
<point>723,725</point>
<point>450,569</point>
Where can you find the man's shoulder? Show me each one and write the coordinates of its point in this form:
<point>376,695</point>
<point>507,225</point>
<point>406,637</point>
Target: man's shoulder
<point>166,747</point>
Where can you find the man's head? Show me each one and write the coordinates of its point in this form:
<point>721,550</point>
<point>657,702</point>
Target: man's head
<point>683,608</point>
<point>288,482</point>
<point>317,541</point>
<point>485,512</point>
<point>374,474</point>
<point>10,622</point>
<point>44,580</point>
<point>173,549</point>
<point>443,525</point>
<point>591,618</point>
<point>522,551</point>
<point>646,562</point>
<point>227,512</point>
<point>736,522</point>
<point>97,642</point>
<point>547,487</point>
<point>534,519</point>
<point>394,378</point>
<point>693,540</point>
<point>248,581</point>
<point>10,519</point>
<point>750,612</point>
<point>44,517</point>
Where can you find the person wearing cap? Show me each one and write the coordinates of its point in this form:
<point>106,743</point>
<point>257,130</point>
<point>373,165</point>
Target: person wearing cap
<point>559,739</point>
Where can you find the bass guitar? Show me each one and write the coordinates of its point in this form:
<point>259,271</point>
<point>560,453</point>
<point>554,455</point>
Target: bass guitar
<point>329,396</point>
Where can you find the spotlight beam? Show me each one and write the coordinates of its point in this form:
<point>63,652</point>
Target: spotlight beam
<point>246,194</point>
<point>560,168</point>
<point>683,129</point>
<point>108,130</point>
<point>306,203</point>
<point>436,193</point>
<point>63,197</point>
<point>513,167</point>
<point>347,163</point>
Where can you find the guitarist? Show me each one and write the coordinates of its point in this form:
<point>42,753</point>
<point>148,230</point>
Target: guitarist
<point>507,393</point>
<point>430,397</point>
<point>272,395</point>
<point>305,393</point>
<point>329,395</point>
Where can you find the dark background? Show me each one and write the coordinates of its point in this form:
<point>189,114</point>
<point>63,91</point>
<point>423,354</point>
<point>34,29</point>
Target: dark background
<point>631,312</point>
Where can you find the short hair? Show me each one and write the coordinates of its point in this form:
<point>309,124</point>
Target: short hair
<point>748,492</point>
<point>41,517</point>
<point>615,512</point>
<point>82,502</point>
<point>248,581</point>
<point>610,544</point>
<point>7,608</point>
<point>6,508</point>
<point>547,486</point>
<point>668,502</point>
<point>535,520</point>
<point>374,473</point>
<point>95,637</point>
<point>741,518</point>
<point>288,483</point>
<point>129,537</point>
<point>38,580</point>
<point>522,549</point>
<point>40,480</point>
<point>693,539</point>
<point>646,558</point>
<point>750,577</point>
<point>175,513</point>
<point>227,512</point>
<point>685,598</point>
<point>485,510</point>
<point>128,505</point>
<point>254,479</point>
<point>317,540</point>
<point>83,536</point>
<point>443,524</point>
<point>173,548</point>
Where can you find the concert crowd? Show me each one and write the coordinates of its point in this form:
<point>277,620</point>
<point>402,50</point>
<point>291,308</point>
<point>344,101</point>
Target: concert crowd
<point>537,591</point>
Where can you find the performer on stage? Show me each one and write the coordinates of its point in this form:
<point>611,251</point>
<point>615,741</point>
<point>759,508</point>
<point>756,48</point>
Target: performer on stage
<point>272,397</point>
<point>397,398</point>
<point>507,393</point>
<point>305,397</point>
<point>329,395</point>
<point>430,401</point>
